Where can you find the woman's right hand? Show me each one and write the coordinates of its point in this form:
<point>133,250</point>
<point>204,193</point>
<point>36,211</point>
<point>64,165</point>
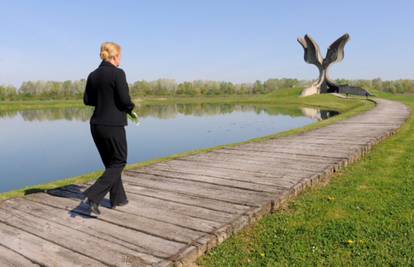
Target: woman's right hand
<point>134,117</point>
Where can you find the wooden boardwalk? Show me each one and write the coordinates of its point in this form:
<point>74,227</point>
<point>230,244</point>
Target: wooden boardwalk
<point>181,208</point>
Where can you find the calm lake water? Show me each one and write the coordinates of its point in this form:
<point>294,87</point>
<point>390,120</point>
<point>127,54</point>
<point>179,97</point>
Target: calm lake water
<point>40,146</point>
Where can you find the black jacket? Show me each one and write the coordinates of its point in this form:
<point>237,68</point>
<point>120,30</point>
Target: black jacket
<point>107,90</point>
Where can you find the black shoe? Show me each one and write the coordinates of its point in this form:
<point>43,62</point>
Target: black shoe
<point>94,206</point>
<point>119,204</point>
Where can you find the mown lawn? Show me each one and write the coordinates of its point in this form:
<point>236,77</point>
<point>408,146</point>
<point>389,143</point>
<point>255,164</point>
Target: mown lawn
<point>363,217</point>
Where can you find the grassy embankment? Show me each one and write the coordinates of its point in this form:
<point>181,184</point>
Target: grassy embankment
<point>363,217</point>
<point>38,104</point>
<point>347,107</point>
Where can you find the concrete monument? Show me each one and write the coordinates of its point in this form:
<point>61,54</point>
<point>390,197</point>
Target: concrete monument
<point>334,54</point>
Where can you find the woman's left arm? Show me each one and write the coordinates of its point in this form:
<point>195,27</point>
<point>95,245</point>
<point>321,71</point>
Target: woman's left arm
<point>122,90</point>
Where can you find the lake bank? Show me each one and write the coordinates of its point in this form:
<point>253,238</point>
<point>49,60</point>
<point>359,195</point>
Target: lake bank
<point>165,129</point>
<point>348,107</point>
<point>282,97</point>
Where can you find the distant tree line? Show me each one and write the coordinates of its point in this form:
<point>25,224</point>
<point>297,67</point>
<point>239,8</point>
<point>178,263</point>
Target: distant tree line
<point>44,90</point>
<point>169,87</point>
<point>7,92</point>
<point>160,87</point>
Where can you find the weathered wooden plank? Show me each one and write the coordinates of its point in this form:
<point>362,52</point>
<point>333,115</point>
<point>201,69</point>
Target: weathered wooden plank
<point>321,143</point>
<point>369,125</point>
<point>337,149</point>
<point>351,131</point>
<point>214,168</point>
<point>11,258</point>
<point>68,201</point>
<point>326,145</point>
<point>254,164</point>
<point>274,167</point>
<point>323,139</point>
<point>278,178</point>
<point>218,170</point>
<point>135,240</point>
<point>371,122</point>
<point>298,151</point>
<point>249,184</point>
<point>338,138</point>
<point>276,155</point>
<point>196,201</point>
<point>39,250</point>
<point>351,127</point>
<point>77,241</point>
<point>333,150</point>
<point>275,181</point>
<point>234,195</point>
<point>198,218</point>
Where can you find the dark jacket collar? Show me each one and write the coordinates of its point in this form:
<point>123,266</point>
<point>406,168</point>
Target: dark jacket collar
<point>106,63</point>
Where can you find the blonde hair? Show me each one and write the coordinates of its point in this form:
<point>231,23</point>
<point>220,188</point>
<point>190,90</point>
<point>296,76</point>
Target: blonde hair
<point>109,50</point>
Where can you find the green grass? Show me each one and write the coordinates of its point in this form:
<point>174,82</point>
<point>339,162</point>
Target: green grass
<point>45,104</point>
<point>287,96</point>
<point>348,107</point>
<point>363,217</point>
<point>38,104</point>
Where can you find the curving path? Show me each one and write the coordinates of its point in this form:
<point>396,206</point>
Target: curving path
<point>181,208</point>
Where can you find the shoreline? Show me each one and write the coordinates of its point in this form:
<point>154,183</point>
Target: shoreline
<point>347,106</point>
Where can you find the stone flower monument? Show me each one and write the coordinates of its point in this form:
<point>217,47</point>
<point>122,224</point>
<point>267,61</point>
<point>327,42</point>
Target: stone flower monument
<point>334,54</point>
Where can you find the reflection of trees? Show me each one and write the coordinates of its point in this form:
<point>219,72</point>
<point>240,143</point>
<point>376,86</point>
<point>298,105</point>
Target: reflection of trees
<point>79,114</point>
<point>203,109</point>
<point>165,111</point>
<point>162,111</point>
<point>8,113</point>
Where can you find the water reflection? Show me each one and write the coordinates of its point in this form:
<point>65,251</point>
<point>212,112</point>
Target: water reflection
<point>39,146</point>
<point>318,114</point>
<point>170,111</point>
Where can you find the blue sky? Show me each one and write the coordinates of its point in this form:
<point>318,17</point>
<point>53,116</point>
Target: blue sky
<point>238,41</point>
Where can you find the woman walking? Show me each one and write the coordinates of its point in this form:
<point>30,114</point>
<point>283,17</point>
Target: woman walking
<point>107,90</point>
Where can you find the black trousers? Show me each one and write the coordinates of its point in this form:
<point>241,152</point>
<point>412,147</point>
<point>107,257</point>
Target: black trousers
<point>112,146</point>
